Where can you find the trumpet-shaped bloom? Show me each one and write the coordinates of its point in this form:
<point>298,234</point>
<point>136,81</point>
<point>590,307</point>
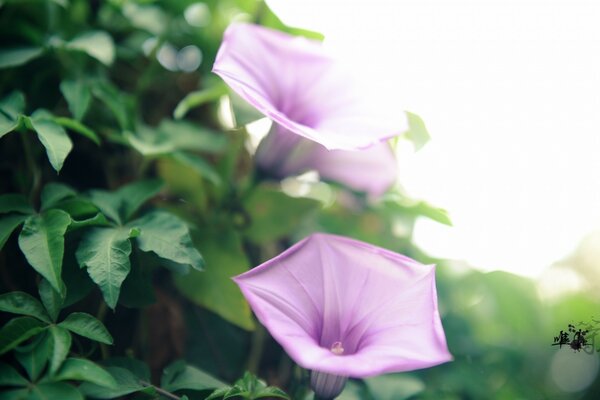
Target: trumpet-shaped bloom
<point>348,308</point>
<point>312,99</point>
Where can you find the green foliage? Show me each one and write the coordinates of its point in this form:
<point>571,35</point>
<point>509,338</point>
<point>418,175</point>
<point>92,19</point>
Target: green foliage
<point>248,387</point>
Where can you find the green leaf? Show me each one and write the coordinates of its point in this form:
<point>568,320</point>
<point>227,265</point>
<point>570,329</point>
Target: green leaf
<point>77,127</point>
<point>136,194</point>
<point>168,237</point>
<point>114,99</point>
<point>214,288</point>
<point>42,242</point>
<point>10,377</point>
<point>34,357</point>
<point>24,304</point>
<point>60,344</point>
<point>417,132</point>
<point>199,165</point>
<point>105,252</point>
<point>78,96</point>
<point>55,390</point>
<point>249,387</point>
<point>97,44</point>
<point>198,98</point>
<point>11,108</point>
<point>18,56</point>
<point>18,330</point>
<point>179,376</point>
<point>126,381</point>
<point>121,204</point>
<point>54,193</point>
<point>79,369</point>
<point>273,214</point>
<point>97,220</point>
<point>136,367</point>
<point>85,325</point>
<point>54,138</point>
<point>8,224</point>
<point>13,202</point>
<point>15,394</point>
<point>51,299</point>
<point>184,135</point>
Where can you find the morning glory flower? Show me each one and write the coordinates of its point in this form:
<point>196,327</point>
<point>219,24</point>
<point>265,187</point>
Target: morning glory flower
<point>344,308</point>
<point>316,106</point>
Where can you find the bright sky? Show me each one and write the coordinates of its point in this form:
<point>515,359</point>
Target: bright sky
<point>510,92</point>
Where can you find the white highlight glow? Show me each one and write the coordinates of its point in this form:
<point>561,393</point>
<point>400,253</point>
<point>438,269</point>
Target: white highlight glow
<point>510,92</point>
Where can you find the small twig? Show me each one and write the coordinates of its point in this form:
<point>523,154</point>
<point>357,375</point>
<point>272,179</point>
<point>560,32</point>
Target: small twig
<point>160,390</point>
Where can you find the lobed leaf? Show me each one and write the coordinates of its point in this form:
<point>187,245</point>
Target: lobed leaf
<point>51,299</point>
<point>179,376</point>
<point>53,137</point>
<point>14,202</point>
<point>97,44</point>
<point>168,237</point>
<point>34,357</point>
<point>18,56</point>
<point>8,224</point>
<point>80,369</point>
<point>105,253</point>
<point>54,193</point>
<point>59,346</point>
<point>23,304</point>
<point>55,390</point>
<point>126,383</point>
<point>78,96</point>
<point>42,242</point>
<point>17,330</point>
<point>10,377</point>
<point>87,326</point>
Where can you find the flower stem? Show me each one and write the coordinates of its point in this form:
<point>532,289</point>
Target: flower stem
<point>256,348</point>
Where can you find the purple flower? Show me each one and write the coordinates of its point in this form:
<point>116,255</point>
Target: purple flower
<point>312,100</point>
<point>345,308</point>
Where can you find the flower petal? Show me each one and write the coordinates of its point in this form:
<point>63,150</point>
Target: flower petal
<point>380,305</point>
<point>294,82</point>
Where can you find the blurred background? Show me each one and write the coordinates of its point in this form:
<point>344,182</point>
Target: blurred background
<point>510,93</point>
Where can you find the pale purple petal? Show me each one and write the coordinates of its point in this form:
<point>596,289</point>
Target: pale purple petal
<point>293,81</point>
<point>380,305</point>
<point>371,170</point>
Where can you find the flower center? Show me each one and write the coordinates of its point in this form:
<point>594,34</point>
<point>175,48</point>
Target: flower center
<point>337,348</point>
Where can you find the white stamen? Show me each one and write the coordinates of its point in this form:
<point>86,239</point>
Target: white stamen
<point>337,348</point>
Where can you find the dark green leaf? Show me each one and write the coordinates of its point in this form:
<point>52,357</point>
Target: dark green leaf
<point>213,288</point>
<point>198,98</point>
<point>107,202</point>
<point>188,136</point>
<point>136,194</point>
<point>13,202</point>
<point>24,304</point>
<point>54,138</point>
<point>11,108</point>
<point>219,393</point>
<point>417,132</point>
<point>42,242</point>
<point>60,344</point>
<point>105,252</point>
<point>8,224</point>
<point>18,330</point>
<point>168,237</point>
<point>273,214</point>
<point>15,394</point>
<point>136,367</point>
<point>97,44</point>
<point>55,390</point>
<point>78,96</point>
<point>10,377</point>
<point>33,357</point>
<point>77,127</point>
<point>198,164</point>
<point>13,105</point>
<point>55,192</point>
<point>179,376</point>
<point>18,56</point>
<point>85,325</point>
<point>51,299</point>
<point>97,220</point>
<point>126,381</point>
<point>79,369</point>
<point>114,100</point>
